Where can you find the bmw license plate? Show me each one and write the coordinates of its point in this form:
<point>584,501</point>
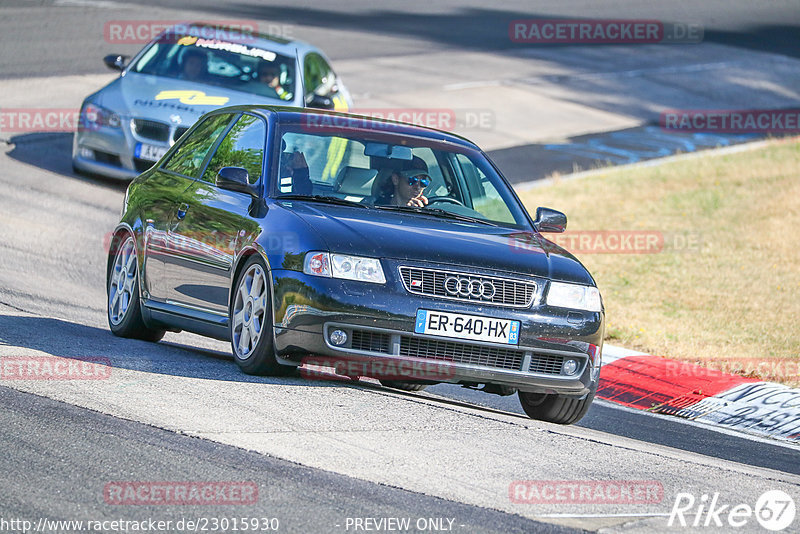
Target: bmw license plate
<point>462,326</point>
<point>149,152</point>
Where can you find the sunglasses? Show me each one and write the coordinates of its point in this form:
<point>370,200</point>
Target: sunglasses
<point>422,179</point>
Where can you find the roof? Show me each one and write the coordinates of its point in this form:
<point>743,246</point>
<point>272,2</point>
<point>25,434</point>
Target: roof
<point>334,119</point>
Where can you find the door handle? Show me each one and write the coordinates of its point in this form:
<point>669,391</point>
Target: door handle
<point>182,211</point>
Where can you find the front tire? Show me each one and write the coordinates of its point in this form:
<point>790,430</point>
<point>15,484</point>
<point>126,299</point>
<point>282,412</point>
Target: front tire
<point>556,408</point>
<point>124,309</point>
<point>251,322</point>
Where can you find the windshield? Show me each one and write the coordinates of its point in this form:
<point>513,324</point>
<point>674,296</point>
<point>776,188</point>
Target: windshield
<point>385,171</point>
<point>232,65</point>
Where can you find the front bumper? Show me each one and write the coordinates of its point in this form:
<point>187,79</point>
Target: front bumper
<point>110,152</point>
<point>379,321</point>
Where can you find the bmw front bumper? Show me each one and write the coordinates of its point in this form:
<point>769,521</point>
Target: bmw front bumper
<point>109,152</point>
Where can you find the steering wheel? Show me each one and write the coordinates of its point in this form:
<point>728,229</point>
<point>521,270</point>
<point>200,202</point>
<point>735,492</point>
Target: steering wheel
<point>451,200</point>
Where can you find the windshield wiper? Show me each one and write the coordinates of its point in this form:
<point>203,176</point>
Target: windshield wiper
<point>460,217</point>
<point>322,198</point>
<point>439,211</point>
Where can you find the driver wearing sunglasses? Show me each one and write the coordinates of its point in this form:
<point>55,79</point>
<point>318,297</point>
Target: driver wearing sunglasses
<point>408,187</point>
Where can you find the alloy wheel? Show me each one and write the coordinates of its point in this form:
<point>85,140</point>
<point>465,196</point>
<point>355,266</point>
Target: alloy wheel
<point>249,311</point>
<point>123,280</point>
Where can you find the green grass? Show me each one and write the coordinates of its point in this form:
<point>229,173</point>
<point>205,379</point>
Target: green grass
<point>726,286</point>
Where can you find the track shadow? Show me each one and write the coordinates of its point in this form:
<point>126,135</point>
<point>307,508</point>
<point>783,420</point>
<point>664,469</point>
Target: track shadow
<point>65,339</point>
<point>53,152</point>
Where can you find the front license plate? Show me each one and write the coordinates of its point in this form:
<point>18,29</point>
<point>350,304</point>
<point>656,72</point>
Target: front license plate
<point>462,326</point>
<point>149,152</point>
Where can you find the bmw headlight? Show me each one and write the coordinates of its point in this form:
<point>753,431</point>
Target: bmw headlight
<point>94,116</point>
<point>574,296</point>
<point>344,266</point>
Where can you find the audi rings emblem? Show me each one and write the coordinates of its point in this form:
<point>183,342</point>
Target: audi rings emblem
<point>467,287</point>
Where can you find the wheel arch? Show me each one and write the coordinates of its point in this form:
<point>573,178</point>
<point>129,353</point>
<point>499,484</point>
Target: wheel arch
<point>116,236</point>
<point>241,259</point>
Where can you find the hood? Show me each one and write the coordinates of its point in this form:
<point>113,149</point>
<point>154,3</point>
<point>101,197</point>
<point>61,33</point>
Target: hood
<point>170,100</point>
<point>446,242</point>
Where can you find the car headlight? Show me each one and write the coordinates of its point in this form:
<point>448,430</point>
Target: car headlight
<point>94,116</point>
<point>344,266</point>
<point>574,296</point>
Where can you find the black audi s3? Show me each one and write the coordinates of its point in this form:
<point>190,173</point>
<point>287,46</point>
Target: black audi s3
<point>378,248</point>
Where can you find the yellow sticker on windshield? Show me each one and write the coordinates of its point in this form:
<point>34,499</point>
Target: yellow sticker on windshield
<point>193,97</point>
<point>187,40</point>
<point>339,103</point>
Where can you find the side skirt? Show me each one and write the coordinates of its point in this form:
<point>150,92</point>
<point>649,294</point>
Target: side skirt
<point>173,316</point>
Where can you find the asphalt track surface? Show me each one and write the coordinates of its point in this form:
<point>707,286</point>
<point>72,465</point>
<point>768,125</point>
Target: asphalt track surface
<point>320,452</point>
<point>302,499</point>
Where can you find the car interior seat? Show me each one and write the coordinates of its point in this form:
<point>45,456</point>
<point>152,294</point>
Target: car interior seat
<point>354,181</point>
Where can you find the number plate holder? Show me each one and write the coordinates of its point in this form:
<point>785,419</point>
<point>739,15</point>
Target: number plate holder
<point>464,326</point>
<point>149,152</point>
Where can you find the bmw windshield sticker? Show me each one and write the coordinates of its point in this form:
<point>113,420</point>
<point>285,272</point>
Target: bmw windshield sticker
<point>193,97</point>
<point>163,104</point>
<point>236,48</point>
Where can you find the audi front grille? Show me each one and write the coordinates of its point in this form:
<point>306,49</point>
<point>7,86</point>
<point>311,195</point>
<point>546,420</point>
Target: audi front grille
<point>468,287</point>
<point>453,351</point>
<point>508,358</point>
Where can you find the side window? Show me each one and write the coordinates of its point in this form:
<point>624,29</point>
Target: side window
<point>438,187</point>
<point>188,158</point>
<point>319,77</point>
<point>242,147</point>
<point>486,200</point>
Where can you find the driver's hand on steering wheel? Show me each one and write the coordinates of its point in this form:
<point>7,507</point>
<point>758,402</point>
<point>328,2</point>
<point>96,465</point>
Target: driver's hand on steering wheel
<point>418,202</point>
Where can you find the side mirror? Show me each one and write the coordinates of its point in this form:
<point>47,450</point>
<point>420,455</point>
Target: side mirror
<point>318,101</point>
<point>235,179</point>
<point>548,220</point>
<point>115,62</point>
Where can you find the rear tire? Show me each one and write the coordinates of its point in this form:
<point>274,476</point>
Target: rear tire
<point>250,319</point>
<point>555,408</point>
<point>124,309</point>
<point>405,386</point>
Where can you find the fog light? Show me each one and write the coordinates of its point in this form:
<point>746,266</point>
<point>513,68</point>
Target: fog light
<point>338,337</point>
<point>87,153</point>
<point>569,367</point>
